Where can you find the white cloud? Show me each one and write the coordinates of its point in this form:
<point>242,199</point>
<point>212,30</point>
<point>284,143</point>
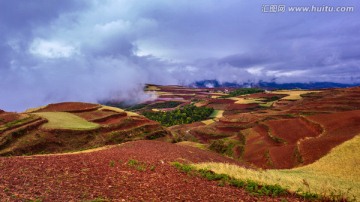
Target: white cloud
<point>293,73</point>
<point>255,70</point>
<point>51,49</point>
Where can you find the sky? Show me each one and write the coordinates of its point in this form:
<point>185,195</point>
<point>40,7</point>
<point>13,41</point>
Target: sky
<point>91,50</point>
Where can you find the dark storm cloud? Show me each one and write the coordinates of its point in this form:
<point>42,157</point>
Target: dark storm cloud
<point>53,51</point>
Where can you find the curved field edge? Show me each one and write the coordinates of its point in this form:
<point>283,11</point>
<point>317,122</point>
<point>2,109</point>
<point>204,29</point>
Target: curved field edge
<point>65,120</point>
<point>335,175</point>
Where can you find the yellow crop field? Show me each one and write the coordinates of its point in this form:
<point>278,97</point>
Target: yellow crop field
<point>245,100</point>
<point>152,88</point>
<point>293,94</point>
<point>115,109</point>
<point>217,114</point>
<point>65,120</point>
<point>336,173</point>
<point>193,144</point>
<point>207,122</point>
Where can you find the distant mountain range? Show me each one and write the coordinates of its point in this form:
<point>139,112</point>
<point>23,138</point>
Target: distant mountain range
<point>270,85</point>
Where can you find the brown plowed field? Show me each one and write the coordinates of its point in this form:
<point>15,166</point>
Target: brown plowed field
<point>106,174</point>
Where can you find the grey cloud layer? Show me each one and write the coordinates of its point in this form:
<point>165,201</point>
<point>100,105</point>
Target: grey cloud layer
<point>53,51</point>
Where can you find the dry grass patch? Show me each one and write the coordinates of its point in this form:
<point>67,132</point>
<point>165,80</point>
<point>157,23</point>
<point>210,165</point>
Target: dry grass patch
<point>65,120</point>
<point>337,173</point>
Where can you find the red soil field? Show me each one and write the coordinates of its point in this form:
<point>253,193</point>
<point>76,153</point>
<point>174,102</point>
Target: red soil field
<point>184,97</point>
<point>239,118</point>
<point>69,107</point>
<point>241,106</point>
<point>221,101</point>
<point>106,174</point>
<point>230,126</point>
<point>283,157</point>
<point>315,148</point>
<point>218,106</point>
<point>339,127</point>
<point>333,100</point>
<point>205,134</point>
<point>256,147</point>
<point>94,115</point>
<point>125,123</point>
<point>111,120</point>
<point>292,130</point>
<point>6,117</point>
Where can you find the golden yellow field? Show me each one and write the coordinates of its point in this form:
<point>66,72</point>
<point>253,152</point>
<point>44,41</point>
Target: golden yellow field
<point>293,94</point>
<point>115,109</point>
<point>207,122</point>
<point>193,144</point>
<point>336,173</point>
<point>152,88</point>
<point>217,114</point>
<point>245,100</point>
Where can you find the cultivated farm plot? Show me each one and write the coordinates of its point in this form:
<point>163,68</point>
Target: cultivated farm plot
<point>217,114</point>
<point>292,130</point>
<point>94,115</point>
<point>242,100</point>
<point>65,120</point>
<point>293,94</point>
<point>68,107</point>
<point>257,146</point>
<point>283,156</point>
<point>208,121</point>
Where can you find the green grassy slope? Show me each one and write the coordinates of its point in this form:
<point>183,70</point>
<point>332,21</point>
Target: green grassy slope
<point>64,120</point>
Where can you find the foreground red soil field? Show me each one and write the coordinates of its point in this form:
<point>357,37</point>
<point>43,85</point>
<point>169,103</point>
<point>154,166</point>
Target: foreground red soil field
<point>106,174</point>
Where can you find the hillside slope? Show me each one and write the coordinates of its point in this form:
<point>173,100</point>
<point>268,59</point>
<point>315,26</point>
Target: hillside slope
<point>71,126</point>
